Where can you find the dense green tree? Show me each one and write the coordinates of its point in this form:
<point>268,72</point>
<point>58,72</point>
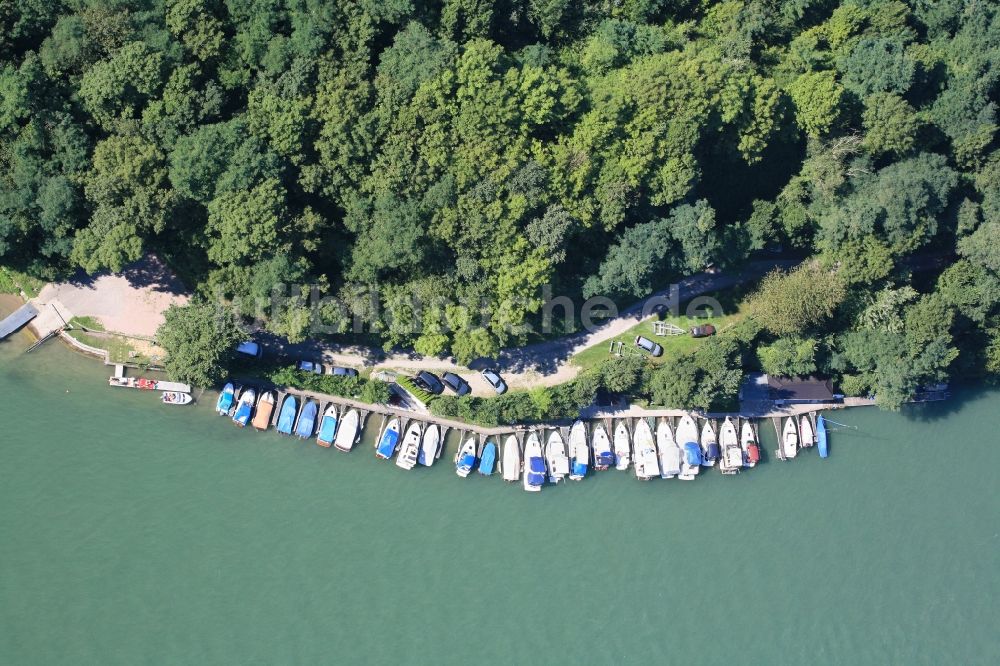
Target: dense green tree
<point>200,340</point>
<point>787,304</point>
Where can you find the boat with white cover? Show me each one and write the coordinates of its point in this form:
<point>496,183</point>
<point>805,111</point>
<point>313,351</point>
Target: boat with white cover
<point>790,439</point>
<point>555,457</point>
<point>511,460</point>
<point>647,463</point>
<point>429,445</point>
<point>623,448</point>
<point>347,431</point>
<point>670,453</point>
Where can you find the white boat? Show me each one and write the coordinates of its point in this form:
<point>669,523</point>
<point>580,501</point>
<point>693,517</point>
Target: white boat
<point>732,454</point>
<point>748,442</point>
<point>579,452</point>
<point>555,457</point>
<point>623,448</point>
<point>429,446</point>
<point>465,459</point>
<point>789,439</point>
<point>687,440</point>
<point>327,430</point>
<point>806,436</point>
<point>534,465</point>
<point>511,460</point>
<point>347,431</point>
<point>601,444</point>
<point>670,453</point>
<point>709,445</point>
<point>175,398</point>
<point>647,464</point>
<point>410,448</point>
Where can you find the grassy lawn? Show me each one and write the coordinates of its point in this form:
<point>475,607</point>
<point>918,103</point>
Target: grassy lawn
<point>12,282</point>
<point>673,345</point>
<point>87,322</point>
<point>119,349</point>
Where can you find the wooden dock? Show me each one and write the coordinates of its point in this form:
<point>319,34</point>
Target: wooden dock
<point>17,319</point>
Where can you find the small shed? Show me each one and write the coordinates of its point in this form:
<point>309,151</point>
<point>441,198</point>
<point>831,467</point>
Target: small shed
<point>801,390</point>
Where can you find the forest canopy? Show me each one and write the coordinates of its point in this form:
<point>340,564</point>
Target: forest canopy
<point>474,151</point>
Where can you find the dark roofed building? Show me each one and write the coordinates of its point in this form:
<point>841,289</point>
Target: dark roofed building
<point>801,390</point>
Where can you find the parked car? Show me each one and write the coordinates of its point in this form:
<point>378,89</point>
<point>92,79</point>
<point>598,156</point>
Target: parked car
<point>702,331</point>
<point>429,382</point>
<point>648,345</point>
<point>455,383</point>
<point>343,372</point>
<point>250,348</point>
<point>496,381</point>
<point>310,366</point>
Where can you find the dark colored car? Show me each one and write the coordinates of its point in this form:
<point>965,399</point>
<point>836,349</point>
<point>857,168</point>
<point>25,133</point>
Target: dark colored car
<point>496,381</point>
<point>310,366</point>
<point>429,382</point>
<point>648,345</point>
<point>456,383</point>
<point>702,331</point>
<point>343,372</point>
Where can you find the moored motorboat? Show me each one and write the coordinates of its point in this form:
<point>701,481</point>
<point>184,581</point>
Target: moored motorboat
<point>687,438</point>
<point>244,408</point>
<point>579,452</point>
<point>789,439</point>
<point>410,447</point>
<point>226,400</point>
<point>511,459</point>
<point>821,437</point>
<point>748,442</point>
<point>429,445</point>
<point>286,415</point>
<point>175,398</point>
<point>601,445</point>
<point>556,458</point>
<point>327,426</point>
<point>805,432</point>
<point>264,412</point>
<point>465,459</point>
<point>388,440</point>
<point>670,452</point>
<point>709,445</point>
<point>489,458</point>
<point>306,424</point>
<point>732,455</point>
<point>347,431</point>
<point>623,447</point>
<point>647,463</point>
<point>534,465</point>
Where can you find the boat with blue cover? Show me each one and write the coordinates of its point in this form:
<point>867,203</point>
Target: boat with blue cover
<point>327,426</point>
<point>579,452</point>
<point>534,465</point>
<point>601,444</point>
<point>286,417</point>
<point>388,440</point>
<point>687,438</point>
<point>244,408</point>
<point>226,399</point>
<point>709,445</point>
<point>306,424</point>
<point>821,437</point>
<point>465,459</point>
<point>489,458</point>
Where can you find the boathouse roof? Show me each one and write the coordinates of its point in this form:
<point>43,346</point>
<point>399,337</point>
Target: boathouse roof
<point>800,389</point>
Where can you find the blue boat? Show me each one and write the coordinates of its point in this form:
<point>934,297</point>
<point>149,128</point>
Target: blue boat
<point>465,460</point>
<point>245,407</point>
<point>327,426</point>
<point>489,459</point>
<point>226,399</point>
<point>389,440</point>
<point>286,417</point>
<point>821,437</point>
<point>307,420</point>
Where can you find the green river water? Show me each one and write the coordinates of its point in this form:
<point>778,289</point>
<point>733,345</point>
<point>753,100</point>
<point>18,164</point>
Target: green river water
<point>134,533</point>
